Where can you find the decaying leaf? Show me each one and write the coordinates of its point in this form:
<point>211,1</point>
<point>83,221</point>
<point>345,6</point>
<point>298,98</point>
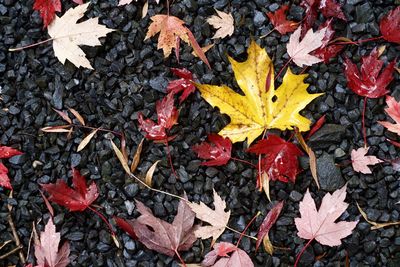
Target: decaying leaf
<point>311,156</point>
<point>255,111</point>
<point>47,252</point>
<point>5,153</point>
<point>136,157</point>
<point>183,85</point>
<point>375,225</point>
<point>57,129</point>
<point>218,257</point>
<point>281,24</point>
<point>217,218</point>
<point>171,31</point>
<point>162,236</point>
<point>269,221</point>
<point>369,82</point>
<point>299,51</point>
<point>121,158</point>
<point>217,150</point>
<point>360,161</point>
<point>77,199</point>
<point>320,225</point>
<point>67,35</point>
<point>149,174</point>
<point>223,23</point>
<point>393,110</point>
<point>86,140</point>
<point>77,116</point>
<point>390,26</point>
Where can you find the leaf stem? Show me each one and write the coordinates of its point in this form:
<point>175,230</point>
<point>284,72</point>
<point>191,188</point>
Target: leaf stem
<point>29,46</point>
<point>244,161</point>
<point>364,130</point>
<point>302,251</point>
<point>104,219</point>
<point>360,41</point>
<point>98,129</point>
<point>240,233</point>
<point>265,35</point>
<point>284,66</point>
<point>180,258</point>
<point>247,226</point>
<point>170,159</point>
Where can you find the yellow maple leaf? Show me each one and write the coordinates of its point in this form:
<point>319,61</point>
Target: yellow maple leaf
<point>261,107</point>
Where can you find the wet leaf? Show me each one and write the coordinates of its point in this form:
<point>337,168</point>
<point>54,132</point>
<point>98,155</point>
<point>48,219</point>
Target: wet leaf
<point>269,221</point>
<point>390,26</point>
<point>360,161</point>
<point>281,24</point>
<point>393,110</point>
<point>217,150</point>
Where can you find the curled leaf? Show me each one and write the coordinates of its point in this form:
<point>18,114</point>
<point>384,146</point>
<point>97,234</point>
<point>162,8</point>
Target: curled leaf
<point>149,174</point>
<point>136,157</point>
<point>86,140</point>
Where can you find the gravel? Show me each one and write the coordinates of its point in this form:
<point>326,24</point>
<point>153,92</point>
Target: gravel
<point>130,76</point>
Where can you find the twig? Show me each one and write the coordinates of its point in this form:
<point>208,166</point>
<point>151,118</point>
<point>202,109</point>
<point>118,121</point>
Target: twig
<point>364,130</point>
<point>14,232</point>
<point>30,242</point>
<point>170,159</point>
<point>265,35</point>
<point>247,226</point>
<point>240,233</point>
<point>94,128</point>
<point>11,252</point>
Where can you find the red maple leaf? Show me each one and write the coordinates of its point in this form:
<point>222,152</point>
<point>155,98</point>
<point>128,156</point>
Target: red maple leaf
<point>77,199</point>
<point>218,150</point>
<point>329,8</point>
<point>280,161</point>
<point>184,84</point>
<point>390,26</point>
<point>5,153</point>
<point>327,51</point>
<point>281,24</point>
<point>167,117</point>
<point>369,83</point>
<point>47,10</point>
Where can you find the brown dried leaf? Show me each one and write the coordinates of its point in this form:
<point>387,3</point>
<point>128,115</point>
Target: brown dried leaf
<point>136,157</point>
<point>86,140</point>
<point>311,155</point>
<point>77,116</point>
<point>375,224</point>
<point>56,129</point>
<point>63,115</point>
<point>120,157</point>
<point>145,9</point>
<point>149,174</point>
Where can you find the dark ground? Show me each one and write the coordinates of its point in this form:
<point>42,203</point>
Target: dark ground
<point>130,75</point>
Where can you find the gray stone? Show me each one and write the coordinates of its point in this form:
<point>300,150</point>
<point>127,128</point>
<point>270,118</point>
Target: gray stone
<point>259,19</point>
<point>326,136</point>
<point>329,176</point>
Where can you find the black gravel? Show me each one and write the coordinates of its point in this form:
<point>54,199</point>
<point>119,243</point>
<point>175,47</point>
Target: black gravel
<point>130,76</point>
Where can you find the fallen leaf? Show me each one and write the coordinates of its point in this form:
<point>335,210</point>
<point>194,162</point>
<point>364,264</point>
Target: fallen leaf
<point>162,236</point>
<point>328,48</point>
<point>47,10</point>
<point>121,158</point>
<point>136,157</point>
<point>369,83</point>
<point>79,2</point>
<point>184,84</point>
<point>126,226</point>
<point>218,257</point>
<point>217,218</point>
<point>217,151</point>
<point>360,161</point>
<point>145,9</point>
<point>63,115</point>
<point>204,49</point>
<point>299,51</point>
<point>171,31</point>
<point>77,116</point>
<point>311,12</point>
<point>393,110</point>
<point>5,153</point>
<point>57,129</point>
<point>223,23</point>
<point>267,224</point>
<point>47,252</point>
<point>67,35</point>
<point>125,2</point>
<point>77,199</point>
<point>149,174</point>
<point>375,225</point>
<point>281,158</point>
<point>281,24</point>
<point>311,156</point>
<point>331,9</point>
<point>320,225</point>
<point>86,140</point>
<point>390,26</point>
<point>167,117</point>
<point>255,111</point>
<point>47,203</point>
<point>316,126</point>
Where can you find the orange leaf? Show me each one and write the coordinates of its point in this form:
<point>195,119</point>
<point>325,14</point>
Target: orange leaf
<point>171,28</point>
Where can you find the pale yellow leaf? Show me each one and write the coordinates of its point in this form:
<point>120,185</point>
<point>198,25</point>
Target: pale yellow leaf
<point>136,157</point>
<point>145,9</point>
<point>149,174</point>
<point>217,218</point>
<point>375,225</point>
<point>223,23</point>
<point>77,116</point>
<point>86,140</point>
<point>56,129</point>
<point>120,157</point>
<point>68,35</point>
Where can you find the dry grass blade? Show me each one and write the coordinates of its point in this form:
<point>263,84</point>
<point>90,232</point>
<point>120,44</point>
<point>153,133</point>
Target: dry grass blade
<point>145,9</point>
<point>77,116</point>
<point>120,157</point>
<point>86,140</point>
<point>204,49</point>
<point>56,129</point>
<point>136,157</point>
<point>63,115</point>
<point>375,224</point>
<point>265,184</point>
<point>311,155</point>
<point>267,245</point>
<point>149,174</point>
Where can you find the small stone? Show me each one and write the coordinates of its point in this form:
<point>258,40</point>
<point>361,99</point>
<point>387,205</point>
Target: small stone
<point>295,196</point>
<point>329,176</point>
<point>369,246</point>
<point>326,136</point>
<point>259,18</point>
